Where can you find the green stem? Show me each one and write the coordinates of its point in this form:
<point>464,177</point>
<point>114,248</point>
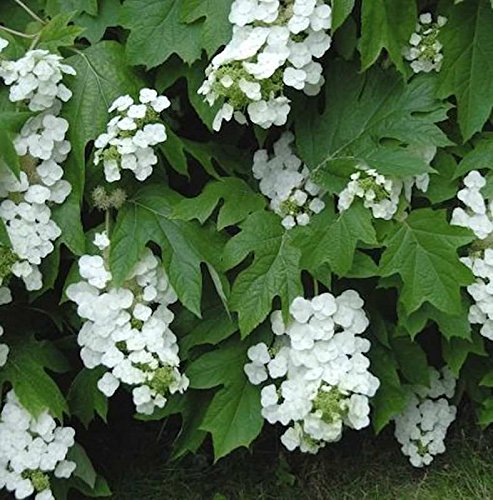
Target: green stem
<point>107,227</point>
<point>315,287</point>
<point>29,11</point>
<point>17,33</point>
<point>35,41</point>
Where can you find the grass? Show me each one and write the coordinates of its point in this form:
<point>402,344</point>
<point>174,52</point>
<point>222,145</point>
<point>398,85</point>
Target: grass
<point>354,469</point>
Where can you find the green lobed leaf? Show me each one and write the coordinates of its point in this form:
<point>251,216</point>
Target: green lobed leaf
<point>158,34</point>
<point>178,151</point>
<point>443,184</point>
<point>173,70</point>
<point>8,156</point>
<point>53,7</point>
<point>388,121</point>
<point>85,399</point>
<point>102,75</point>
<point>450,325</point>
<point>456,351</point>
<point>335,243</point>
<point>467,63</point>
<point>214,327</point>
<point>10,123</point>
<point>233,417</point>
<point>411,360</point>
<point>340,11</point>
<point>274,272</point>
<point>58,32</point>
<point>96,24</point>
<point>185,245</point>
<point>391,397</point>
<point>363,266</point>
<point>4,236</point>
<point>216,29</point>
<point>238,202</point>
<point>423,251</point>
<point>84,469</point>
<point>214,368</point>
<point>478,158</point>
<point>25,370</point>
<point>386,24</point>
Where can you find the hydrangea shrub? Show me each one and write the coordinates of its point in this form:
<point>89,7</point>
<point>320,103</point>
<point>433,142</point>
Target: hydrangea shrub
<point>250,213</point>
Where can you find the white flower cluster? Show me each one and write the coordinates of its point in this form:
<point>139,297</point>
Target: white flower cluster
<point>324,379</point>
<point>379,193</point>
<point>286,182</point>
<point>32,450</point>
<point>127,329</point>
<point>478,217</point>
<point>37,78</point>
<point>478,213</point>
<point>422,427</point>
<point>5,298</point>
<point>4,350</point>
<point>425,51</point>
<point>131,134</point>
<point>274,45</point>
<point>42,146</point>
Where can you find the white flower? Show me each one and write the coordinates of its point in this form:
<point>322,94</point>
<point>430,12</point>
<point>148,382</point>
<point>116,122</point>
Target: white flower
<point>301,309</point>
<point>422,427</point>
<point>285,181</point>
<point>31,450</point>
<point>273,44</point>
<point>379,193</point>
<point>424,51</point>
<point>36,78</point>
<point>3,44</point>
<point>256,373</point>
<point>108,384</point>
<point>130,136</point>
<point>4,352</point>
<point>225,113</point>
<point>317,376</point>
<point>101,240</point>
<point>64,469</point>
<point>259,354</point>
<point>126,330</point>
<point>92,268</point>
